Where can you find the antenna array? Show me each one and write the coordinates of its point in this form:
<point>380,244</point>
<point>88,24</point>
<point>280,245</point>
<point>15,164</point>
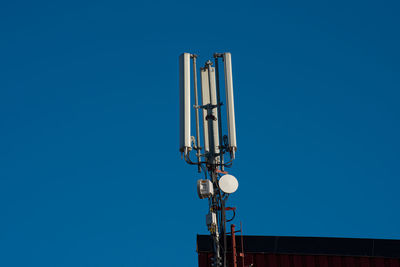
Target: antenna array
<point>211,158</point>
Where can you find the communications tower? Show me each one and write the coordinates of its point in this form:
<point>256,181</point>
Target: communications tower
<point>218,150</point>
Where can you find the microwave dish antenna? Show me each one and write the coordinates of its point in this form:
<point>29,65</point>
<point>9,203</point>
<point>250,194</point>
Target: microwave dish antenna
<point>228,184</point>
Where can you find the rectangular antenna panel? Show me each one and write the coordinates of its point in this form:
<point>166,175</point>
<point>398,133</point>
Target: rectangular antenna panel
<point>184,88</point>
<point>213,99</point>
<point>230,106</point>
<point>205,100</point>
<point>209,96</point>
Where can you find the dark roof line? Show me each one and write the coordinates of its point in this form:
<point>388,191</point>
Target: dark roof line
<point>388,248</point>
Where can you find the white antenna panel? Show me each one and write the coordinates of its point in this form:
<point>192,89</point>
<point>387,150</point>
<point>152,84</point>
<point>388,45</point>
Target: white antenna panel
<point>209,96</point>
<point>184,88</point>
<point>213,98</point>
<point>230,106</point>
<point>205,100</point>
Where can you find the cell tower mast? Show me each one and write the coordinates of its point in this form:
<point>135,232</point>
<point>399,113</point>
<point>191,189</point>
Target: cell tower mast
<point>211,158</point>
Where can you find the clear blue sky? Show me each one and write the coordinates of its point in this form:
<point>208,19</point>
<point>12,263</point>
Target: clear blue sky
<point>90,173</point>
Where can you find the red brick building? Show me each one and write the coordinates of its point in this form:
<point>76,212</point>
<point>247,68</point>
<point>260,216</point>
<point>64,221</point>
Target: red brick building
<point>276,251</point>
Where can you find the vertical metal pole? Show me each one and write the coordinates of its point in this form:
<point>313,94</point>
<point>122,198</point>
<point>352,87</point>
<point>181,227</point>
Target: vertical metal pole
<point>216,237</point>
<point>219,113</point>
<point>196,103</point>
<point>223,232</point>
<point>234,262</point>
<point>241,237</point>
<point>212,165</point>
